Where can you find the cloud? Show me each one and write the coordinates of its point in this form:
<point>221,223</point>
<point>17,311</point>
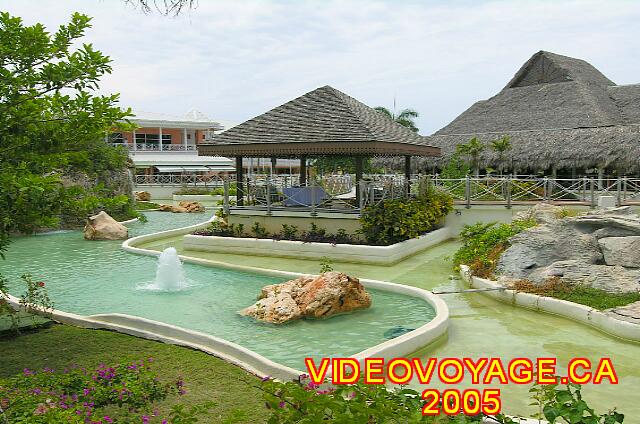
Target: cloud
<point>236,59</point>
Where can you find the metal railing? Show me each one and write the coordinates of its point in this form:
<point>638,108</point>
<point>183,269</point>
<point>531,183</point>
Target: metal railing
<point>140,147</point>
<point>510,190</point>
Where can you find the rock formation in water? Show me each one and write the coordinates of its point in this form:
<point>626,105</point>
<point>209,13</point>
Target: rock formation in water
<point>183,207</point>
<point>323,296</point>
<point>600,248</point>
<point>142,196</point>
<point>103,227</point>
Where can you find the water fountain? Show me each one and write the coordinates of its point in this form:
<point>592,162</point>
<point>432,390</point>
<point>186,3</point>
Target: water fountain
<point>169,273</point>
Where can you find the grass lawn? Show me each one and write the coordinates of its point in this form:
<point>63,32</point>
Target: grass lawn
<point>206,378</point>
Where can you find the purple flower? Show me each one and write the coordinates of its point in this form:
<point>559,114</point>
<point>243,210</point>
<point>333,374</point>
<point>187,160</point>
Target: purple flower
<point>37,391</point>
<point>266,378</point>
<point>107,418</point>
<point>145,419</point>
<point>281,404</point>
<point>27,371</point>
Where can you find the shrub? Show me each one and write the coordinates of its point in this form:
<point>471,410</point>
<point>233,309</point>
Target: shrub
<point>78,395</point>
<point>482,245</point>
<point>259,230</point>
<point>222,229</point>
<point>289,232</point>
<point>35,298</point>
<point>578,293</point>
<point>314,234</point>
<point>373,404</point>
<point>395,220</point>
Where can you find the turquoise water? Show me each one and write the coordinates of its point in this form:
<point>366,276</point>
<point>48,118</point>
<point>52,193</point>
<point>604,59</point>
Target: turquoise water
<point>93,277</point>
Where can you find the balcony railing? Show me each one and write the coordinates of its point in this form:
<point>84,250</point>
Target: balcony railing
<point>339,193</point>
<point>156,147</point>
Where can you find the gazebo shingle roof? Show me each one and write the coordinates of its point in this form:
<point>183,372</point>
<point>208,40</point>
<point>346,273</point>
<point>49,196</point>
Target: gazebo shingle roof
<point>324,121</point>
<point>558,111</point>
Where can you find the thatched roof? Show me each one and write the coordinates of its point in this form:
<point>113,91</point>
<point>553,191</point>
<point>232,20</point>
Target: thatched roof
<point>324,121</point>
<point>556,109</point>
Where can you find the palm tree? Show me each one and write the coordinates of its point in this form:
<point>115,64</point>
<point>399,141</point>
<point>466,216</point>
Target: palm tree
<point>472,150</point>
<point>501,146</point>
<point>405,117</point>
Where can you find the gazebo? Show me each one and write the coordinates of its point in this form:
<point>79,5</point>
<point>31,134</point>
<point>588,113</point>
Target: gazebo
<point>322,122</point>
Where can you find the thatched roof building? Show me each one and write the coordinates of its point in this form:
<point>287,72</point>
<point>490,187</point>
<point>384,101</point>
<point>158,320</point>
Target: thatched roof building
<point>558,111</point>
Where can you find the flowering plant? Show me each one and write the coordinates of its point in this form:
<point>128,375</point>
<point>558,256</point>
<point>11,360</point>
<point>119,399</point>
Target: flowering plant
<point>79,395</point>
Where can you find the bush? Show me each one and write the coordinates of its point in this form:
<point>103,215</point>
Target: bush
<point>482,245</point>
<point>108,394</point>
<point>34,299</point>
<point>372,404</point>
<point>577,293</point>
<point>396,220</point>
<point>221,228</point>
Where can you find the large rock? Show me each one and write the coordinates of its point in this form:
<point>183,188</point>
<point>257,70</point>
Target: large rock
<point>103,227</point>
<point>183,207</point>
<point>323,296</point>
<point>542,213</point>
<point>615,279</point>
<point>543,245</point>
<point>623,251</point>
<point>601,249</point>
<point>142,196</point>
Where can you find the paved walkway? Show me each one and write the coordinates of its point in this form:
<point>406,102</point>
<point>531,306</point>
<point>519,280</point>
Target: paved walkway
<point>629,313</point>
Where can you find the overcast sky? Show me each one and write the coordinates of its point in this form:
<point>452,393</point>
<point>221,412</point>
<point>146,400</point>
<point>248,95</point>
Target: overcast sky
<point>235,59</point>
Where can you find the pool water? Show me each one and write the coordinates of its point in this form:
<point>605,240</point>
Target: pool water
<point>93,277</point>
<point>482,327</point>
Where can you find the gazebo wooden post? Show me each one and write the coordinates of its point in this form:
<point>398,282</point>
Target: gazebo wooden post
<point>359,165</point>
<point>303,171</point>
<point>239,181</point>
<point>407,175</point>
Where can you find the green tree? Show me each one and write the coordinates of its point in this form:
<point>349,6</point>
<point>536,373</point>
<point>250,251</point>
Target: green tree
<point>52,122</point>
<point>501,146</point>
<point>406,117</point>
<point>472,150</point>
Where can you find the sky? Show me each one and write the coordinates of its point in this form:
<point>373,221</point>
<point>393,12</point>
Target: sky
<point>236,59</point>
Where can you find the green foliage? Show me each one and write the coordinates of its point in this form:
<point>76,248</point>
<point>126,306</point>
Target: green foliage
<point>577,293</point>
<point>564,404</point>
<point>221,228</point>
<point>34,300</point>
<point>52,123</point>
<point>406,117</point>
<point>293,402</point>
<point>455,168</point>
<point>326,264</point>
<point>345,164</point>
<point>78,395</point>
<point>289,232</point>
<point>143,206</point>
<point>395,220</point>
<point>482,245</point>
<point>259,230</point>
<point>472,150</point>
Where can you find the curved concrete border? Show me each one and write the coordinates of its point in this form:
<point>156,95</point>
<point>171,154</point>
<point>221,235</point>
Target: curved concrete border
<point>355,253</point>
<point>574,311</point>
<point>239,355</point>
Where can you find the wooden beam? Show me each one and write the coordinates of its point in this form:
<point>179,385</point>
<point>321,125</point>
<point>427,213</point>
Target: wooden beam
<point>303,171</point>
<point>407,175</point>
<point>359,162</point>
<point>239,181</point>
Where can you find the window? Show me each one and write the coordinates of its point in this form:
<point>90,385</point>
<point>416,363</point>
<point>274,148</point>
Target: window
<point>152,139</point>
<point>117,138</point>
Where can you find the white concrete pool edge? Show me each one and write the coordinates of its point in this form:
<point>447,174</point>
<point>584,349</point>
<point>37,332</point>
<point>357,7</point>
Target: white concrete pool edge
<point>574,311</point>
<point>399,346</point>
<point>236,354</point>
<point>355,253</point>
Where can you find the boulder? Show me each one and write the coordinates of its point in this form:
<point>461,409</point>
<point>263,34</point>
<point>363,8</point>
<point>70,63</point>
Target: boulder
<point>623,251</point>
<point>142,196</point>
<point>542,213</point>
<point>183,207</point>
<point>323,296</point>
<point>191,206</point>
<point>103,227</point>
<point>616,279</point>
<point>543,245</point>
